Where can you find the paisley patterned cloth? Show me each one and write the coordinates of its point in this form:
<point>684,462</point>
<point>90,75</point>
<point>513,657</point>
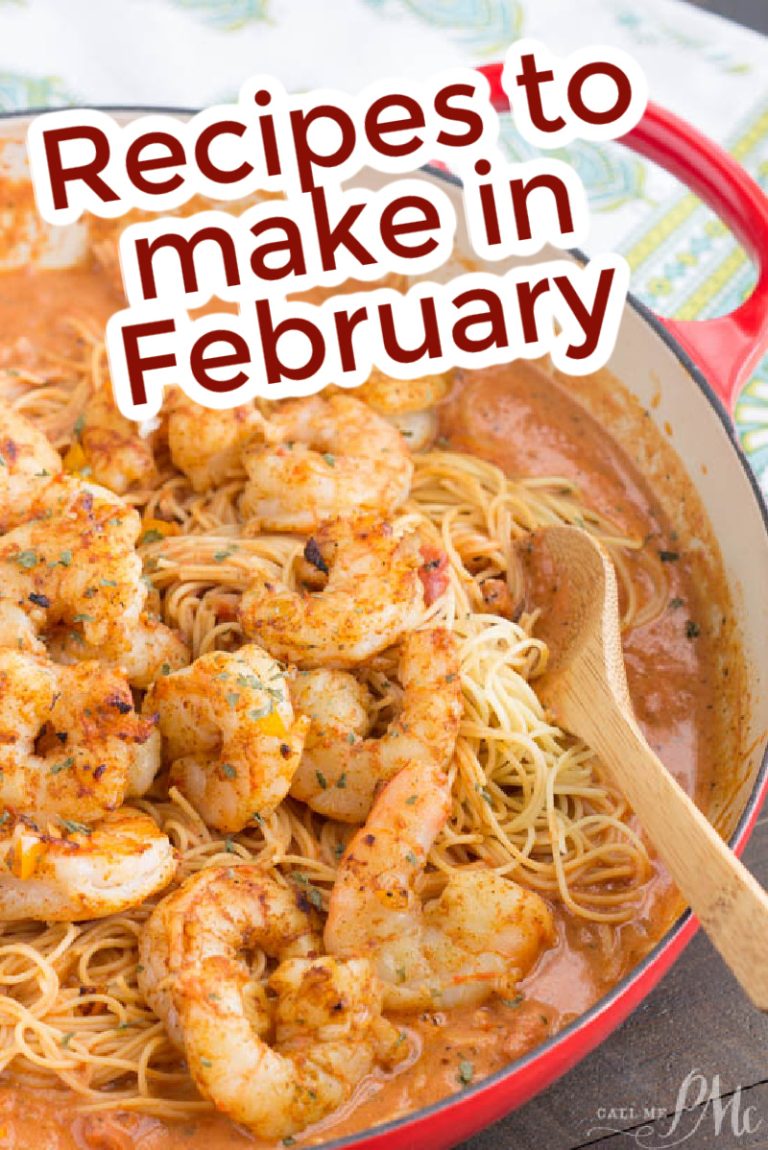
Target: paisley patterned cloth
<point>188,53</point>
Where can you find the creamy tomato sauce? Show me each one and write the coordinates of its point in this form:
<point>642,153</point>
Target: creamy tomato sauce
<point>521,419</point>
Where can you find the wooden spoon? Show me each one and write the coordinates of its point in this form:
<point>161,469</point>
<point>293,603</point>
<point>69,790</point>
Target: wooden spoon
<point>585,689</point>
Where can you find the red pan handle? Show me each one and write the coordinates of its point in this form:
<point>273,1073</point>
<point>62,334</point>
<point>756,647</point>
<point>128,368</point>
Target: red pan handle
<point>728,348</point>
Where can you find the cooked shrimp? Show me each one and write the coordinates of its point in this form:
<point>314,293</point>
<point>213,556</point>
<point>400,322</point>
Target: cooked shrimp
<point>479,937</point>
<point>418,428</point>
<point>373,594</point>
<point>74,562</point>
<point>67,871</point>
<point>73,566</point>
<point>220,910</point>
<point>230,734</point>
<point>391,396</point>
<point>27,460</point>
<point>206,444</point>
<point>324,457</point>
<point>340,768</point>
<point>148,649</point>
<point>71,743</point>
<point>117,455</point>
<point>326,1018</point>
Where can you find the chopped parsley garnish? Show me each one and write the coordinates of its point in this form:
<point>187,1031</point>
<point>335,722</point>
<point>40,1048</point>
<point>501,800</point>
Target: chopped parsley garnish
<point>229,770</point>
<point>65,558</point>
<point>151,536</point>
<point>313,894</point>
<point>692,630</point>
<point>165,669</point>
<point>409,802</point>
<point>669,556</point>
<point>342,781</point>
<point>220,556</point>
<point>321,779</point>
<point>329,459</point>
<point>27,559</point>
<point>466,1072</point>
<point>74,828</point>
<point>82,618</point>
<point>63,766</point>
<point>233,698</point>
<point>676,603</point>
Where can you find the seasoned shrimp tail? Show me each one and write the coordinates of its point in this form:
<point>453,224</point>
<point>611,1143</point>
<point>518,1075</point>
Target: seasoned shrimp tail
<point>324,1014</point>
<point>113,449</point>
<point>392,396</point>
<point>68,872</point>
<point>372,595</point>
<point>71,743</point>
<point>206,444</point>
<point>321,458</point>
<point>217,911</point>
<point>340,768</point>
<point>230,734</point>
<point>478,938</point>
<point>73,563</point>
<point>72,581</point>
<point>329,1034</point>
<point>27,462</point>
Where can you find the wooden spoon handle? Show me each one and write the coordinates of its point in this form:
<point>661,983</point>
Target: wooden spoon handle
<point>728,901</point>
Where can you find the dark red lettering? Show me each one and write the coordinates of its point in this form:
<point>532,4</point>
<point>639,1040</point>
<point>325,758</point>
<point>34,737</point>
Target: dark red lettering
<point>623,92</point>
<point>289,243</point>
<point>59,175</point>
<point>202,364</point>
<point>590,321</point>
<point>413,121</point>
<point>521,190</point>
<point>307,157</point>
<point>531,78</point>
<point>185,249</point>
<point>330,237</point>
<point>472,120</point>
<point>203,159</point>
<point>139,365</point>
<point>270,334</point>
<point>491,315</point>
<point>391,229</point>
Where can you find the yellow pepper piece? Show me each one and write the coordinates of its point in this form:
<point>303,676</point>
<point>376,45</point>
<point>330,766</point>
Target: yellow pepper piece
<point>26,851</point>
<point>75,459</point>
<point>272,724</point>
<point>159,527</point>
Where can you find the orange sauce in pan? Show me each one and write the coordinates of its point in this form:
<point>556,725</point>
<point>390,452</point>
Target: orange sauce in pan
<point>521,419</point>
